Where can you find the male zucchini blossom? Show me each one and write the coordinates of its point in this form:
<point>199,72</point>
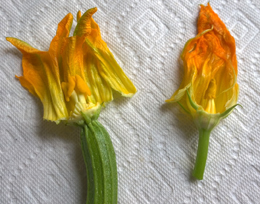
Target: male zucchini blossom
<point>209,89</point>
<point>74,79</point>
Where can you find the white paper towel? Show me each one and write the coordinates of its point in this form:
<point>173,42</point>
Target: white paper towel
<point>41,162</point>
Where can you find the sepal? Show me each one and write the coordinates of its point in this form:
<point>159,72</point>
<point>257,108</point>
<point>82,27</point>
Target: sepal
<point>204,120</point>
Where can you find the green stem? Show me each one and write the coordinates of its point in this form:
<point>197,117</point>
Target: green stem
<point>100,160</point>
<point>202,153</point>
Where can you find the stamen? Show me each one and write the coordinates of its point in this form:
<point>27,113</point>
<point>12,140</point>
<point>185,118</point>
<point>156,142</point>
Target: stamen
<point>211,108</point>
<point>210,95</point>
<point>211,90</point>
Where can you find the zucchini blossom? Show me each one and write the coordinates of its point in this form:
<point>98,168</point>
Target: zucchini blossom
<point>209,89</point>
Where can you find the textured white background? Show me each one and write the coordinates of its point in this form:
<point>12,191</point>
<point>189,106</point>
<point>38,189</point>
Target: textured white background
<point>155,143</point>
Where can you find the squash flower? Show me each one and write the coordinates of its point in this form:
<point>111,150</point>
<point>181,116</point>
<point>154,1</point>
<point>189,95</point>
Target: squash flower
<point>74,79</point>
<point>209,89</point>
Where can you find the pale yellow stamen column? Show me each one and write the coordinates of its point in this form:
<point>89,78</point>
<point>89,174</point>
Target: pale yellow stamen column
<point>210,95</point>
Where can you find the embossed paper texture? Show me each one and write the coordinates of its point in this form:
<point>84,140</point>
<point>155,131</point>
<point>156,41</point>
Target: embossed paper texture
<point>155,143</point>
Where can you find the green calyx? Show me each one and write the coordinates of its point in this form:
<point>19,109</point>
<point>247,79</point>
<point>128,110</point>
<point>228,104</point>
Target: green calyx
<point>205,120</point>
<point>88,118</point>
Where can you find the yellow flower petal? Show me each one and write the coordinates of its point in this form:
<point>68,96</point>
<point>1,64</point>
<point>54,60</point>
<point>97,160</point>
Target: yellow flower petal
<point>78,16</point>
<point>84,23</point>
<point>72,77</point>
<point>82,87</point>
<point>41,78</point>
<point>62,33</point>
<point>22,46</point>
<point>210,67</point>
<point>72,58</point>
<point>26,84</point>
<point>101,91</point>
<point>109,69</point>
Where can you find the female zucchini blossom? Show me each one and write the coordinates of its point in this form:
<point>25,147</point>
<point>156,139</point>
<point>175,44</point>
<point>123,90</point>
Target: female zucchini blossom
<point>77,74</point>
<point>74,79</point>
<point>209,89</point>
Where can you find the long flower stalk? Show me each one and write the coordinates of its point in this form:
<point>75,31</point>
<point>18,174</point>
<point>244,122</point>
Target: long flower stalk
<point>209,89</point>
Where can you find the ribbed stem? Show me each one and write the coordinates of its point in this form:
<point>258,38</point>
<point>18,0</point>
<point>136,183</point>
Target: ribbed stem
<point>100,163</point>
<point>202,153</point>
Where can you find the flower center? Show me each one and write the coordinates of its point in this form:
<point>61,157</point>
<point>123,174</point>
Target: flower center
<point>210,95</point>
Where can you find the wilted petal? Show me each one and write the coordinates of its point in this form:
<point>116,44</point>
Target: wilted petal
<point>108,68</point>
<point>72,77</point>
<point>209,59</point>
<point>100,88</point>
<point>41,78</point>
<point>62,33</point>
